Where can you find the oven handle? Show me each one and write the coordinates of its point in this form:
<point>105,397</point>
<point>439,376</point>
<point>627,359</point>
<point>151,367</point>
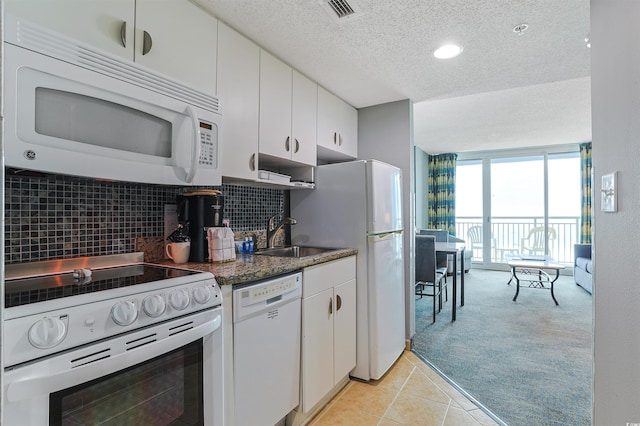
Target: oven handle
<point>27,388</point>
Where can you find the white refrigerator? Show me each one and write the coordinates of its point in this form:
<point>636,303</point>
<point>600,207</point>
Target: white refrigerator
<point>358,204</point>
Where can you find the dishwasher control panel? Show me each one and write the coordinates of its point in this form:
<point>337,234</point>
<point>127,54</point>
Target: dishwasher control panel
<point>256,296</point>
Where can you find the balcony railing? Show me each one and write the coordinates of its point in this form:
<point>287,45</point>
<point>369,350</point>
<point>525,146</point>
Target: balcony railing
<point>507,234</point>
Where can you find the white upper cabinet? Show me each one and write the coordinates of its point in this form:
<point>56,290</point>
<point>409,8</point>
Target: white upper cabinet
<point>183,41</point>
<point>238,89</point>
<point>175,37</point>
<point>337,128</point>
<point>304,118</point>
<point>288,102</point>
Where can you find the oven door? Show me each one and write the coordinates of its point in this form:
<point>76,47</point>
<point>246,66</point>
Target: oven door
<point>168,374</point>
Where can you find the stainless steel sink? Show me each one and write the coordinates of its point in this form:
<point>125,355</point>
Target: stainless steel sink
<point>294,251</point>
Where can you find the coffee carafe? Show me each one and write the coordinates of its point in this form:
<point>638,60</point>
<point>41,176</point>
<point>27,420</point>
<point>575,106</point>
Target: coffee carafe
<point>197,211</point>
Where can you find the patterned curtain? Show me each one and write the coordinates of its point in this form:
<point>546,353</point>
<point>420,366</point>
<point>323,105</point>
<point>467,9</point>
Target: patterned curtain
<point>586,195</point>
<point>442,182</point>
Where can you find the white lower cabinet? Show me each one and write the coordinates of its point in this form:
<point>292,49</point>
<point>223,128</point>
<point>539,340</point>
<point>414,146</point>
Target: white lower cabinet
<point>328,328</point>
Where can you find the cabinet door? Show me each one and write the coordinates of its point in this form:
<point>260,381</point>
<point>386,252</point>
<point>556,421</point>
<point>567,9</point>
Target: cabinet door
<point>337,128</point>
<point>304,119</point>
<point>96,22</point>
<point>238,88</point>
<point>327,125</point>
<point>275,107</point>
<point>344,330</point>
<point>348,130</point>
<point>317,347</point>
<point>183,41</point>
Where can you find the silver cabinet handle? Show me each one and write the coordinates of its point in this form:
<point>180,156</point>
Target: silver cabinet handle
<point>286,144</point>
<point>335,138</point>
<point>123,33</point>
<point>252,162</point>
<point>146,42</point>
<point>330,305</point>
<point>338,302</point>
<point>297,148</point>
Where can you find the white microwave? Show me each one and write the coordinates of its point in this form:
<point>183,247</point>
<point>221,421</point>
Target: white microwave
<point>72,109</point>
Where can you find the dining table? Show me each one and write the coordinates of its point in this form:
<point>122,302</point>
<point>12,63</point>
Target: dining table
<point>457,250</point>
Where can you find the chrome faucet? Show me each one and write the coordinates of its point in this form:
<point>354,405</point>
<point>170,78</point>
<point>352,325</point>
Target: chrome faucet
<point>272,229</point>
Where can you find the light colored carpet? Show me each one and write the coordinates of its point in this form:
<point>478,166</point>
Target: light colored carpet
<point>528,361</point>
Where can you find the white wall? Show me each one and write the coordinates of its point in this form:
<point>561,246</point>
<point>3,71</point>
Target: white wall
<point>421,161</point>
<point>385,133</point>
<point>615,97</point>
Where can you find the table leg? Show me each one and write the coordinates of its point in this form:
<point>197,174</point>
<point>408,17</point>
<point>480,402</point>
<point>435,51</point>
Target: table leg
<point>553,296</point>
<point>455,288</point>
<point>462,277</point>
<point>514,276</point>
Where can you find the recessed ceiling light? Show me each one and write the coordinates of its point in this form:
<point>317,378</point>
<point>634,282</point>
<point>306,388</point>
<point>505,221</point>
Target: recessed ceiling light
<point>447,51</point>
<point>520,28</point>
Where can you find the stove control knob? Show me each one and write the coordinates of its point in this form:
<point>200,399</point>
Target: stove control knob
<point>179,299</point>
<point>202,294</point>
<point>154,306</point>
<point>124,313</point>
<point>47,332</point>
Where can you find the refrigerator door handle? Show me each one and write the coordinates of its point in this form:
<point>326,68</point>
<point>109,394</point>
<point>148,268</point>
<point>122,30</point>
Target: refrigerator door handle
<point>382,237</point>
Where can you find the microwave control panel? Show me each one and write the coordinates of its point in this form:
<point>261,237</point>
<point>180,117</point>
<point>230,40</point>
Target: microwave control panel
<point>208,145</point>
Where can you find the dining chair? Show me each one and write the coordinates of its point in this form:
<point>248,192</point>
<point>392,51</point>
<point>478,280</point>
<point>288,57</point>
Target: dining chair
<point>429,278</point>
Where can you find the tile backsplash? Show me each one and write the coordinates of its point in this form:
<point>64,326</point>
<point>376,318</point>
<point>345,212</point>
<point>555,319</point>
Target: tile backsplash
<point>57,216</point>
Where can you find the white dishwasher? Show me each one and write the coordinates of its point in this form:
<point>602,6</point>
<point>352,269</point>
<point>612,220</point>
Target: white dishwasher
<point>266,350</point>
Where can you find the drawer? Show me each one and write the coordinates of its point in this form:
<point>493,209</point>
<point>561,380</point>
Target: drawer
<point>318,278</point>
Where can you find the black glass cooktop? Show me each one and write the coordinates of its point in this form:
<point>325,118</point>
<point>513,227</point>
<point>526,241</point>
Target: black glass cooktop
<point>23,291</point>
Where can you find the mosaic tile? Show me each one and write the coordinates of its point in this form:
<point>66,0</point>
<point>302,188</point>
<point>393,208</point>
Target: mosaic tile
<point>56,216</point>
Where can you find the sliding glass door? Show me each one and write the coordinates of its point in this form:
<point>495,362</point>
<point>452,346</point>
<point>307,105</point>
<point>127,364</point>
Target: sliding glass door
<point>523,203</point>
<point>517,205</point>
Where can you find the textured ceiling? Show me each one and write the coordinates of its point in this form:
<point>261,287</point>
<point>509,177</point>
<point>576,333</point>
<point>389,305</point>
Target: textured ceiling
<point>482,99</point>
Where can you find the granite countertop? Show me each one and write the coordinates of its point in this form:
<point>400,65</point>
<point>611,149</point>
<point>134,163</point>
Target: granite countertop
<point>250,267</point>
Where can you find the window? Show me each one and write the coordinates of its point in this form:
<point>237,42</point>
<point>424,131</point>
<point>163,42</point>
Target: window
<point>501,198</point>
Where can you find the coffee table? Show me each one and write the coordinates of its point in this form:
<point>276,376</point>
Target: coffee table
<point>533,269</point>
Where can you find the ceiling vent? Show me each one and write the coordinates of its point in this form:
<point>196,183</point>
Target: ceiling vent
<point>340,10</point>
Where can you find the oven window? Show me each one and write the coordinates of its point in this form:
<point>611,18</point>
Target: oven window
<point>166,390</point>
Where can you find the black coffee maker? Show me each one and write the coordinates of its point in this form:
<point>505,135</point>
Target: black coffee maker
<point>197,211</point>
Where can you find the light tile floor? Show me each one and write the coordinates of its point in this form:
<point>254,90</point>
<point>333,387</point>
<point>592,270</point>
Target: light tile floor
<point>411,393</point>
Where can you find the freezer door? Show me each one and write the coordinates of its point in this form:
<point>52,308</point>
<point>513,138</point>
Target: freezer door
<point>386,301</point>
<point>384,197</point>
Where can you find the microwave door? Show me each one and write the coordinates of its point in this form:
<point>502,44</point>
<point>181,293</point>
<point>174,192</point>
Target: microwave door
<point>66,119</point>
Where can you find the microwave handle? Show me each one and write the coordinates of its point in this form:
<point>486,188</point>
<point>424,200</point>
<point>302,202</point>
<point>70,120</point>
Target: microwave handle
<point>48,383</point>
<point>196,145</point>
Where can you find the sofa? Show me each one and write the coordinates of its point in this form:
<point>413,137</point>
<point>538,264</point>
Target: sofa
<point>583,266</point>
<point>442,259</point>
